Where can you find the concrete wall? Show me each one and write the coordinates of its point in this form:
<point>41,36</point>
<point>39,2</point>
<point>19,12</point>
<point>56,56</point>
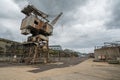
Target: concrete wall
<point>55,47</point>
<point>6,42</point>
<point>3,45</point>
<point>107,52</point>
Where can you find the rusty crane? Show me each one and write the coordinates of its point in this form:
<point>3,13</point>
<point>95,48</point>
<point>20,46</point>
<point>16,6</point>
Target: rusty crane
<point>37,24</point>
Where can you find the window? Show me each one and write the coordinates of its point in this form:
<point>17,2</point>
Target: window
<point>36,22</point>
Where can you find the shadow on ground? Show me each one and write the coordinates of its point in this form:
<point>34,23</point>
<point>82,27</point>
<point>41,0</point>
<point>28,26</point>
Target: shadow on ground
<point>66,63</point>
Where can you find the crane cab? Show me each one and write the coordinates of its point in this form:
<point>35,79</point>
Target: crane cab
<point>34,25</point>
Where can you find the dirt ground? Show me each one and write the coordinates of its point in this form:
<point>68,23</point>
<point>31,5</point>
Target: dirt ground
<point>86,70</point>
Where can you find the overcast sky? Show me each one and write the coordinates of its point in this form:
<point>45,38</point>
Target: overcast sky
<point>84,24</point>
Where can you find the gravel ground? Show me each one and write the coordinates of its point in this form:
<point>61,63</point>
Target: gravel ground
<point>86,70</point>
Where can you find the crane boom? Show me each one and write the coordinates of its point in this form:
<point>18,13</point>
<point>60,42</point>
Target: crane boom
<point>55,20</point>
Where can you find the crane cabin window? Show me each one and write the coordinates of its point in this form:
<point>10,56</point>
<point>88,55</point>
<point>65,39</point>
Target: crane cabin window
<point>36,22</point>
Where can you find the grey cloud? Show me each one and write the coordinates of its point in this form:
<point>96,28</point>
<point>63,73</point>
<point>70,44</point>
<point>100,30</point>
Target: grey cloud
<point>84,36</point>
<point>72,37</point>
<point>54,7</point>
<point>11,34</point>
<point>10,15</point>
<point>88,40</point>
<point>9,11</point>
<point>6,33</point>
<point>114,22</point>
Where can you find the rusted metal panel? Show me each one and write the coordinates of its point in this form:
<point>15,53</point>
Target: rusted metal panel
<point>33,22</point>
<point>38,37</point>
<point>28,22</point>
<point>49,29</point>
<point>25,31</point>
<point>40,24</point>
<point>43,37</point>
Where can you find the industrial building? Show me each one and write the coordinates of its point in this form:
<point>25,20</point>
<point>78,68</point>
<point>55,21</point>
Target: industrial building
<point>110,51</point>
<point>55,47</point>
<point>11,49</point>
<point>4,44</point>
<point>8,49</point>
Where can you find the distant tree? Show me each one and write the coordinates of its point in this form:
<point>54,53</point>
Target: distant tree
<point>53,52</point>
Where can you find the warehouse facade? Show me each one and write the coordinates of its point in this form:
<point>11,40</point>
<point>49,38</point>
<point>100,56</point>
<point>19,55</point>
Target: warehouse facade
<point>5,44</point>
<point>107,52</point>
